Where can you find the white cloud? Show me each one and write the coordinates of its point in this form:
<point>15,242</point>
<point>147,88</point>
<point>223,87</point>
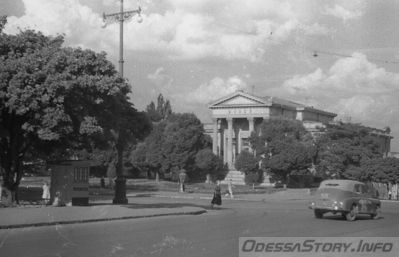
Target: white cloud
<point>346,10</point>
<point>351,75</point>
<point>160,78</point>
<point>80,25</point>
<point>354,87</point>
<point>214,89</point>
<point>229,29</point>
<point>305,83</point>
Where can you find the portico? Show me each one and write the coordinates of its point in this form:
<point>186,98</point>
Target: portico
<point>236,116</point>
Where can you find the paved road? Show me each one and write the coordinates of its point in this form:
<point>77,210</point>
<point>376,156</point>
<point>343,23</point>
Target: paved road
<point>213,234</point>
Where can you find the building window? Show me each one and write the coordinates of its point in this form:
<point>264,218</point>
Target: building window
<point>81,174</point>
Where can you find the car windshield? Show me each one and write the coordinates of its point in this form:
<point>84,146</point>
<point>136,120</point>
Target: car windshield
<point>342,185</point>
<point>332,184</point>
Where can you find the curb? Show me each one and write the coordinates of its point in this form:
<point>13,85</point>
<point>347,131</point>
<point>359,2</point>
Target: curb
<point>41,224</point>
<point>228,199</point>
<point>389,201</point>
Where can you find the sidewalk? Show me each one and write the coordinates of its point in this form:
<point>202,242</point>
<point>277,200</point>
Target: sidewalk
<point>18,217</point>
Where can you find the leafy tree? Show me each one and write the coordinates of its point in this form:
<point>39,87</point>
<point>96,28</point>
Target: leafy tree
<point>172,145</point>
<point>381,170</point>
<point>55,100</point>
<point>3,21</point>
<point>138,158</point>
<point>155,154</point>
<point>343,148</point>
<point>247,162</point>
<point>251,178</point>
<point>160,112</point>
<point>289,157</point>
<point>183,138</point>
<point>284,147</point>
<point>209,163</point>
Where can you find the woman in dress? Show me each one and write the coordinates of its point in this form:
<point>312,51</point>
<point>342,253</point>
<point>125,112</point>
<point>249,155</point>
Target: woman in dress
<point>217,195</point>
<point>46,193</point>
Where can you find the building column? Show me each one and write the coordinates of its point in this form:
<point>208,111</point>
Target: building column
<point>215,137</point>
<point>239,141</point>
<point>251,124</point>
<point>230,143</point>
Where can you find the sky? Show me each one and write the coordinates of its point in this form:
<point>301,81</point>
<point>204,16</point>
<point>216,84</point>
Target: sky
<point>340,56</point>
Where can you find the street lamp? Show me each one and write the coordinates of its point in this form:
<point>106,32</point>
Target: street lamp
<point>121,17</point>
<point>120,182</point>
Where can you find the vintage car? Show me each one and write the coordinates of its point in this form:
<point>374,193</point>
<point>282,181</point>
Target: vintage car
<point>348,197</point>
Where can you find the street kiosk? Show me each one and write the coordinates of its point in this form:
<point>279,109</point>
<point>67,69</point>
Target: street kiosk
<point>70,182</point>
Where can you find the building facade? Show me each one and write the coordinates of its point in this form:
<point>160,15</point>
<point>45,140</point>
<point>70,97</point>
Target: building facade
<point>235,116</point>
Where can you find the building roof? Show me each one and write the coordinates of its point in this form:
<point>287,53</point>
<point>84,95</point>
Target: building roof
<point>243,99</point>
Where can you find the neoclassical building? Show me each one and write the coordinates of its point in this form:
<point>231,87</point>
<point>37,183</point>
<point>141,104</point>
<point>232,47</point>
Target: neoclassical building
<point>236,115</point>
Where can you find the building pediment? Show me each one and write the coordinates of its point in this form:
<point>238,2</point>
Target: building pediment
<point>239,98</point>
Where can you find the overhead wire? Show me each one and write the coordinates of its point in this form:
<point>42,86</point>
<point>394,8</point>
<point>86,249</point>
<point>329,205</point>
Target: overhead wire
<point>314,52</point>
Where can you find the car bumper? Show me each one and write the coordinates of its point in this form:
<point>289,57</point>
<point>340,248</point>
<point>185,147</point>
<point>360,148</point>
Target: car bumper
<point>331,206</point>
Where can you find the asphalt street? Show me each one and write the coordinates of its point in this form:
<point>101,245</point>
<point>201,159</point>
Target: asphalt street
<point>215,233</point>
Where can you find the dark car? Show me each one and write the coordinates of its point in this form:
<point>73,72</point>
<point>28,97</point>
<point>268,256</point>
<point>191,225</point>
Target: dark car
<point>348,197</point>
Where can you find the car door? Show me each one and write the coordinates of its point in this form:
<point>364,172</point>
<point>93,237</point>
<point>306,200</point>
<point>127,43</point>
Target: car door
<point>373,200</point>
<point>366,202</point>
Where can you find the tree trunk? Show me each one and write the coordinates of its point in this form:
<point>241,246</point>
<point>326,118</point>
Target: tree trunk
<point>11,180</point>
<point>120,182</point>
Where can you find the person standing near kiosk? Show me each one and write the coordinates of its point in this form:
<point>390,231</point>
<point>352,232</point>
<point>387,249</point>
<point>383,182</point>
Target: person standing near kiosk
<point>46,193</point>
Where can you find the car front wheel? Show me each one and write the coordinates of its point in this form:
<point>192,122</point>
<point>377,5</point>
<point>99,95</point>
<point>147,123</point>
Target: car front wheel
<point>318,214</point>
<point>377,213</point>
<point>351,215</point>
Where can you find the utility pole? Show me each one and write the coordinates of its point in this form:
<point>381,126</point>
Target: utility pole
<point>121,17</point>
<point>120,182</point>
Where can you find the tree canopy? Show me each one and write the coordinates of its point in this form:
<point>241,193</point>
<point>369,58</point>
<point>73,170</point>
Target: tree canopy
<point>161,111</point>
<point>343,148</point>
<point>208,163</point>
<point>56,98</point>
<point>381,170</point>
<point>247,162</point>
<point>172,144</point>
<point>284,147</point>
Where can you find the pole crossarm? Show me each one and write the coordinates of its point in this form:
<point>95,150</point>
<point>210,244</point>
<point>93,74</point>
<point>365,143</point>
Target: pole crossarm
<point>120,16</point>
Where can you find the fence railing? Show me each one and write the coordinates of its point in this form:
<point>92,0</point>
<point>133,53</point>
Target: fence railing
<point>387,191</point>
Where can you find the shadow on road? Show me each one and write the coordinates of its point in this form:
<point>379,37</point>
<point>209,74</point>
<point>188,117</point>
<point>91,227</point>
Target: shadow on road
<point>161,205</point>
<point>168,205</point>
<point>358,218</point>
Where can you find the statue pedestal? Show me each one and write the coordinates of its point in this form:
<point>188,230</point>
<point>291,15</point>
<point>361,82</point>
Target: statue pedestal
<point>266,181</point>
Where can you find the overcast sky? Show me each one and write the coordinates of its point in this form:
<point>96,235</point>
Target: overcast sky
<point>337,55</point>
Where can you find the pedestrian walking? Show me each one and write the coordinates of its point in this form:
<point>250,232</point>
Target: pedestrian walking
<point>182,179</point>
<point>217,195</point>
<point>230,188</point>
<point>102,182</point>
<point>46,193</point>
